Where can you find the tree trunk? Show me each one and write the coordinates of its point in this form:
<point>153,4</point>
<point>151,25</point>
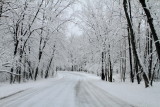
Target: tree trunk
<point>106,70</point>
<point>36,74</point>
<point>110,73</point>
<point>49,65</point>
<point>110,66</point>
<point>130,57</point>
<point>102,75</point>
<point>150,21</point>
<point>150,56</point>
<point>11,76</point>
<point>136,71</point>
<point>1,8</point>
<point>133,43</point>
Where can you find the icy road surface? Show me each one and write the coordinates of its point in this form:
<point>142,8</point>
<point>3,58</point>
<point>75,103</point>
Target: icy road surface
<point>73,90</point>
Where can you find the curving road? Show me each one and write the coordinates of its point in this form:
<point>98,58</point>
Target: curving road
<point>73,90</point>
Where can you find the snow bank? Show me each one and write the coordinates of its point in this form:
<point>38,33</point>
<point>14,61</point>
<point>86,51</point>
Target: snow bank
<point>133,93</point>
<point>9,89</point>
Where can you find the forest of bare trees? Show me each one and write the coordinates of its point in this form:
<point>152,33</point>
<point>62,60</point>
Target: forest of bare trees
<point>32,38</point>
<point>119,37</point>
<point>123,37</point>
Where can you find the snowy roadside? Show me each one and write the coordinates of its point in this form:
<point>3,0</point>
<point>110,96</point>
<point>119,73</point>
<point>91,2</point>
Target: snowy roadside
<point>129,92</point>
<point>11,89</point>
<point>89,76</point>
<point>132,93</point>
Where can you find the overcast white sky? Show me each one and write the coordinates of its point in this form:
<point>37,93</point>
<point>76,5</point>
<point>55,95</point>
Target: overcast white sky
<point>73,28</point>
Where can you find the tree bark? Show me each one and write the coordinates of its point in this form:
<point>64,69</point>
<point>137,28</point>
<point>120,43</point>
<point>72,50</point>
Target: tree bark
<point>150,21</point>
<point>130,57</point>
<point>102,75</point>
<point>1,8</point>
<point>133,43</point>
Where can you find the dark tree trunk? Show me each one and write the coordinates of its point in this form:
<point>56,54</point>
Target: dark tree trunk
<point>72,68</point>
<point>30,70</point>
<point>110,76</point>
<point>150,56</point>
<point>102,75</point>
<point>36,74</point>
<point>152,78</point>
<point>20,60</point>
<point>137,74</point>
<point>110,66</point>
<point>150,21</point>
<point>106,70</point>
<point>133,42</point>
<point>11,76</point>
<point>130,57</point>
<point>49,65</point>
<point>124,61</point>
<point>1,8</point>
<point>106,75</point>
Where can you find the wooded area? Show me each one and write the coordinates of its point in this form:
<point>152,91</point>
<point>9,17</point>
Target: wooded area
<point>119,37</point>
<point>32,36</point>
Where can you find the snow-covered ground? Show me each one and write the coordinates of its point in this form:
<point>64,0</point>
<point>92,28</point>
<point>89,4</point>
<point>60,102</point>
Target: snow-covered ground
<point>9,89</point>
<point>75,89</point>
<point>133,93</point>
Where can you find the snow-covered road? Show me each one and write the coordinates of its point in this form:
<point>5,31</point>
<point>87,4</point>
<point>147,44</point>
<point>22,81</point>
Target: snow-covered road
<point>73,90</point>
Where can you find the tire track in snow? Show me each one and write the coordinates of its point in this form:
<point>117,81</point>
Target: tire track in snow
<point>23,94</point>
<point>18,99</point>
<point>2,98</point>
<point>89,95</point>
<point>74,90</point>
